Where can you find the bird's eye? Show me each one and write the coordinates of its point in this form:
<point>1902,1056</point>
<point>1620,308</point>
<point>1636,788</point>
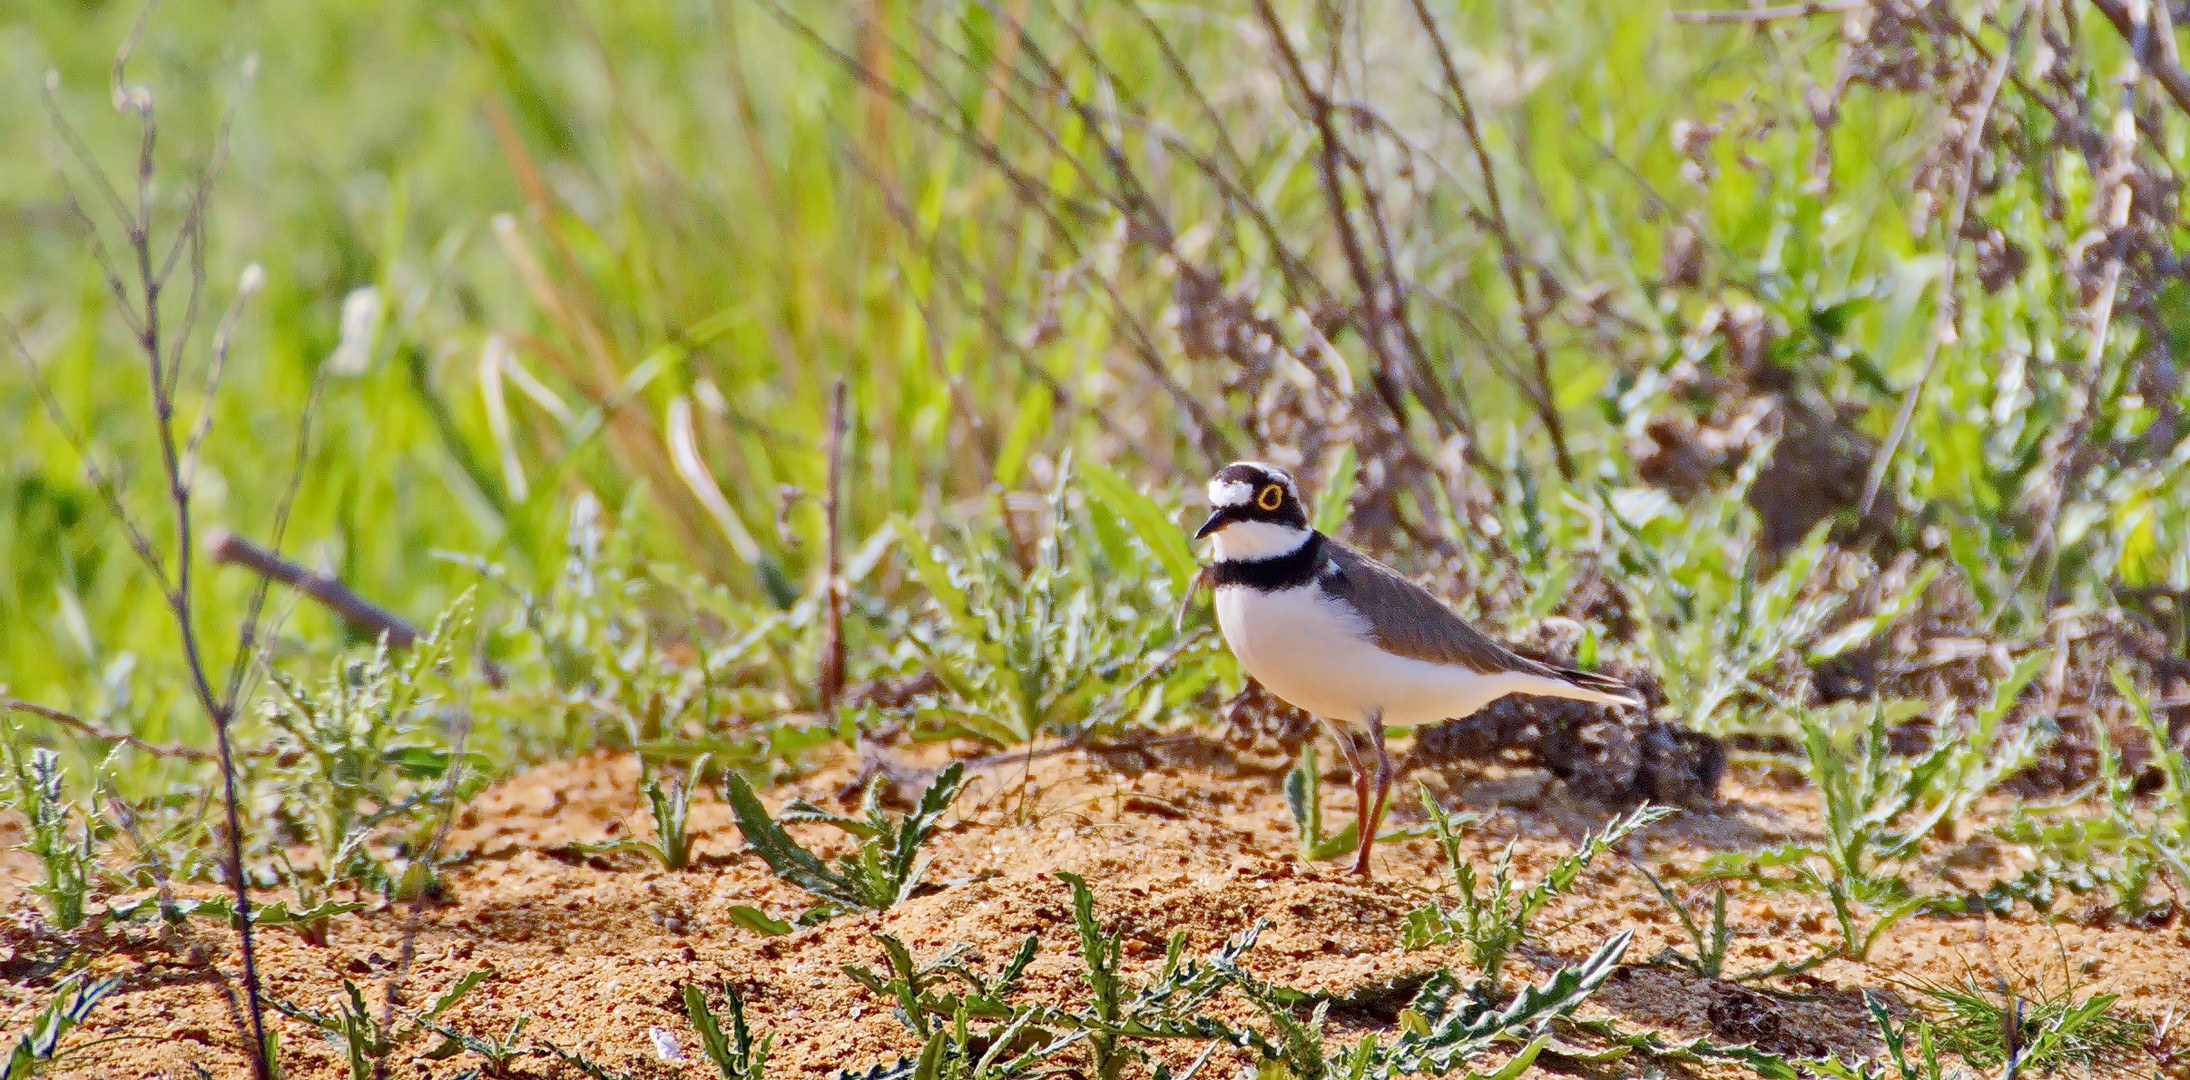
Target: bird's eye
<point>1271,497</point>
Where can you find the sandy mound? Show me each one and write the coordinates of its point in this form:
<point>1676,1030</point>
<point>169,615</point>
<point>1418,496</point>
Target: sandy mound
<point>595,948</point>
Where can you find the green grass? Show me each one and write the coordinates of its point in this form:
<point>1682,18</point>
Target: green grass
<point>972,1024</point>
<point>885,867</point>
<point>1984,1023</point>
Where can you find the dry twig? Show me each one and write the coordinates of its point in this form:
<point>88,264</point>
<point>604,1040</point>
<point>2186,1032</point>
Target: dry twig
<point>830,685</point>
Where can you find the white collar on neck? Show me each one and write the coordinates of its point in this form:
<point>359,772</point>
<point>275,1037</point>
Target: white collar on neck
<point>1254,541</point>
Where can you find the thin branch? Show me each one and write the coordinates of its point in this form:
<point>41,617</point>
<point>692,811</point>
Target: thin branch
<point>110,275</point>
<point>161,372</point>
<point>225,548</point>
<point>1542,393</point>
<point>98,732</point>
<point>830,683</point>
<point>1768,14</point>
<point>2128,18</point>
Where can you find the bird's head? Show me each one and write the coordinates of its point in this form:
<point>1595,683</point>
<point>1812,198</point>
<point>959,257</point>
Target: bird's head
<point>1259,505</point>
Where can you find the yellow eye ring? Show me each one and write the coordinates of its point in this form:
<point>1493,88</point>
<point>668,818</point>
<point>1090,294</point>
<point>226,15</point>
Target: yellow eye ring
<point>1271,497</point>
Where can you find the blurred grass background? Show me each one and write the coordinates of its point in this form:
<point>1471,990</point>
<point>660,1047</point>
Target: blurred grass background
<point>625,249</point>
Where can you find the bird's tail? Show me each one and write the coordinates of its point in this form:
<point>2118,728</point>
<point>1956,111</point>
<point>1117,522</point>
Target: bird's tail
<point>1588,686</point>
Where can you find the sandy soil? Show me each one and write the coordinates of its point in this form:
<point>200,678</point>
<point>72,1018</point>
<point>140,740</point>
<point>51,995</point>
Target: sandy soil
<point>595,948</point>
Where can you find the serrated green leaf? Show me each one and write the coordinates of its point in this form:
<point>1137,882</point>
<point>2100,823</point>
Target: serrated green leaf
<point>1155,529</point>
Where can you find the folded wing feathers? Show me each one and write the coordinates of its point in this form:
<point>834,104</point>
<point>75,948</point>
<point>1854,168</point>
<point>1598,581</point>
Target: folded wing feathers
<point>1590,686</point>
<point>1407,620</point>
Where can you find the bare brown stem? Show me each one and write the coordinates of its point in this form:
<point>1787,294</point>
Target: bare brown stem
<point>1767,14</point>
<point>163,358</point>
<point>830,684</point>
<point>227,549</point>
<point>100,732</point>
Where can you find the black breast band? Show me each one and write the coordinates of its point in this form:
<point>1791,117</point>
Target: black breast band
<point>1288,571</point>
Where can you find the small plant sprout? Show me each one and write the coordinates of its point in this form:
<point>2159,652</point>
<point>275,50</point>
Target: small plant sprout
<point>56,832</point>
<point>500,1053</point>
<point>1711,943</point>
<point>1101,956</point>
<point>670,805</point>
<point>735,1054</point>
<point>887,866</point>
<point>1896,1063</point>
<point>1008,1044</point>
<point>1494,917</point>
<point>70,1004</point>
<point>1876,810</point>
<point>1304,797</point>
<point>362,1038</point>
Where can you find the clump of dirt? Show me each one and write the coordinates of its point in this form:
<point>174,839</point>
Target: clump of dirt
<point>1187,837</point>
<point>1613,756</point>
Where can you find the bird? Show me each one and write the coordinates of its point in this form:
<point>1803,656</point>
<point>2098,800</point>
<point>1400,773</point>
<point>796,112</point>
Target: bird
<point>1352,641</point>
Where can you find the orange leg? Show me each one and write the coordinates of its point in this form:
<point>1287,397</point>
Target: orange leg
<point>1383,787</point>
<point>1371,810</point>
<point>1360,776</point>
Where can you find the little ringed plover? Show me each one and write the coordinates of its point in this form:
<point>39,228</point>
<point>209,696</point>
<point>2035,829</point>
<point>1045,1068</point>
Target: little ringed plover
<point>1349,640</point>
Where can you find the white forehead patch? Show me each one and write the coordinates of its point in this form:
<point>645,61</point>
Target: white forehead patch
<point>1230,492</point>
<point>1271,471</point>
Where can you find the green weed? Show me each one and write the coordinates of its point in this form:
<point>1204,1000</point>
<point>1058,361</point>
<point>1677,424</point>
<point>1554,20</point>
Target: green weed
<point>735,1054</point>
<point>1896,1063</point>
<point>1709,959</point>
<point>70,1004</point>
<point>972,1026</point>
<point>362,1037</point>
<point>622,650</point>
<point>1985,1024</point>
<point>670,806</point>
<point>887,865</point>
<point>367,766</point>
<point>2106,837</point>
<point>1493,917</point>
<point>59,835</point>
<point>1072,632</point>
<point>1877,808</point>
<point>501,1053</point>
<point>1009,1041</point>
<point>222,909</point>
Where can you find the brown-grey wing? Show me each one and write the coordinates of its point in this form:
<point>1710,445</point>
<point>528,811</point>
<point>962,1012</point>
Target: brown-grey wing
<point>1407,620</point>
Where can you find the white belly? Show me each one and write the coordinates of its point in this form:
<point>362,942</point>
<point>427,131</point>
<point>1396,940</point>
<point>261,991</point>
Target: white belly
<point>1317,656</point>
